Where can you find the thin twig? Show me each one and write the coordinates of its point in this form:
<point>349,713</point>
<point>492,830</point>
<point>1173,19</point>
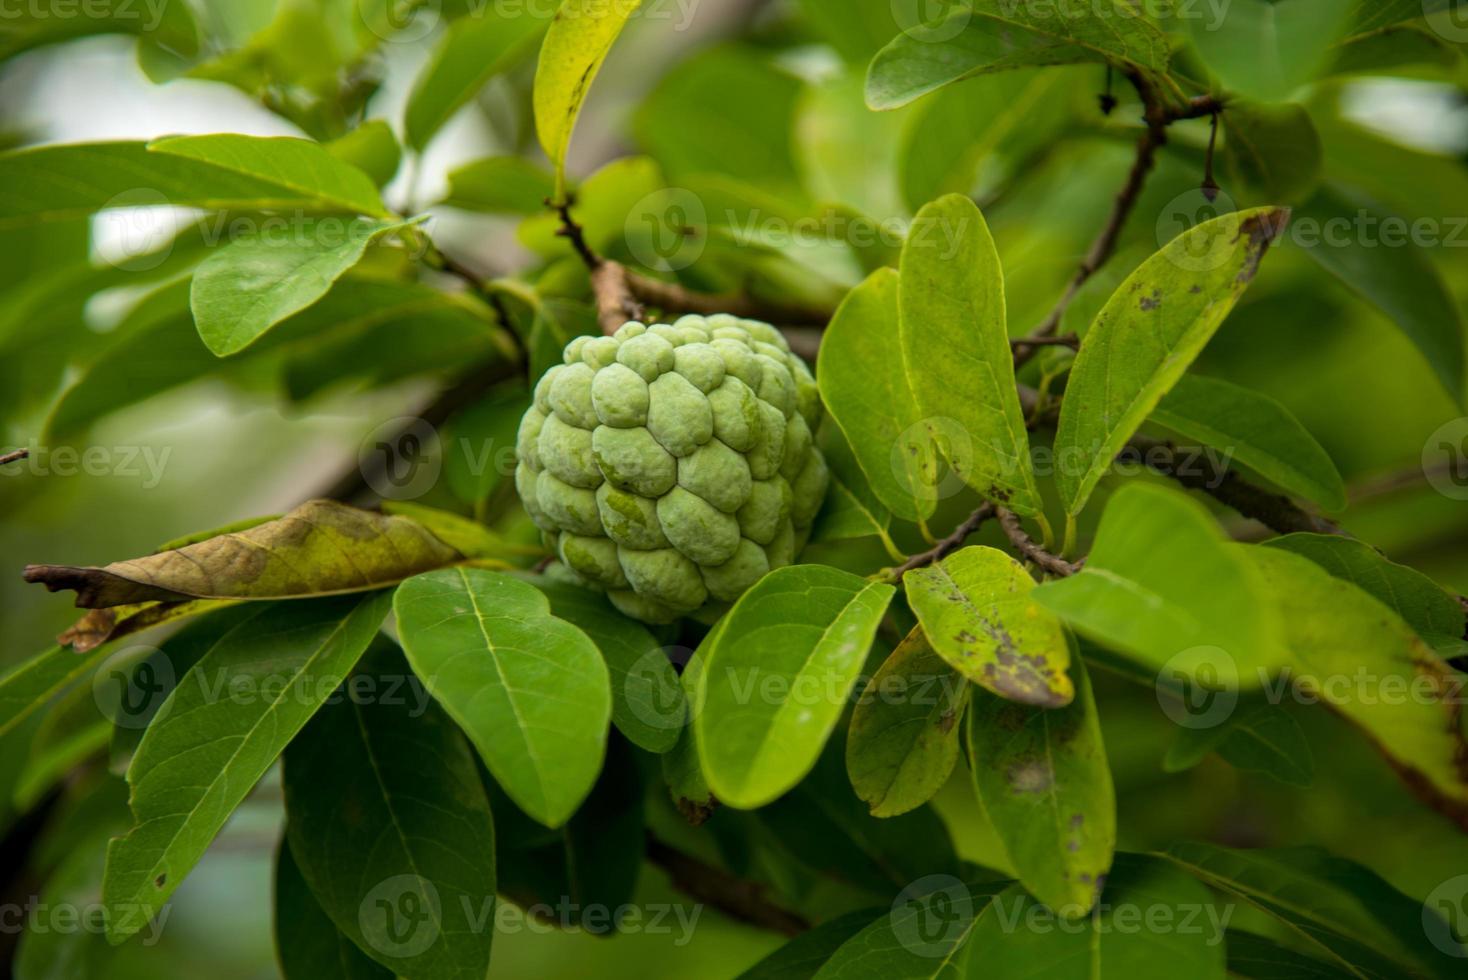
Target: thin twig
<point>1275,511</point>
<point>1031,550</point>
<point>1157,116</point>
<point>1068,340</point>
<point>14,457</point>
<point>944,547</point>
<point>573,232</point>
<point>737,898</point>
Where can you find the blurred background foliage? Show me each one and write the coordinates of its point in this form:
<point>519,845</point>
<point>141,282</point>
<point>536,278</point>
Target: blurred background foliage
<point>752,109</point>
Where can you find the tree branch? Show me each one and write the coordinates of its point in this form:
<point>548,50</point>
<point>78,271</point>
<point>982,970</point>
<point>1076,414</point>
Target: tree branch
<point>945,547</point>
<point>676,299</point>
<point>1033,552</point>
<point>1275,511</point>
<point>737,898</point>
<point>1157,116</point>
<point>14,457</point>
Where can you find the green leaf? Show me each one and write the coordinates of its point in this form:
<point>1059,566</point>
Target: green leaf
<point>29,687</point>
<point>171,27</point>
<point>1394,49</point>
<point>474,50</point>
<point>865,386</point>
<point>823,826</point>
<point>529,690</point>
<point>587,870</point>
<point>682,769</point>
<point>903,741</point>
<point>1421,602</point>
<point>1162,585</point>
<point>1258,431</point>
<point>692,127</point>
<point>577,43</point>
<point>320,548</point>
<point>976,610</point>
<point>647,700</point>
<point>500,185</point>
<point>951,299</point>
<point>1265,49</point>
<point>1264,738</point>
<point>468,537</point>
<point>851,509</point>
<point>1273,150</point>
<point>384,805</point>
<point>308,945</point>
<point>1400,693</point>
<point>847,153</point>
<point>1333,908</point>
<point>255,282</point>
<point>1021,938</point>
<point>71,856</point>
<point>217,734</point>
<point>481,441</point>
<point>803,956</point>
<point>1350,235</point>
<point>1043,781</point>
<point>216,172</point>
<point>371,148</point>
<point>923,938</point>
<point>1145,337</point>
<point>1264,959</point>
<point>296,165</point>
<point>776,677</point>
<point>967,42</point>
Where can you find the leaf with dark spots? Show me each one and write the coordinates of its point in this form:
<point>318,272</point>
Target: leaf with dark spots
<point>1042,777</point>
<point>320,548</point>
<point>1135,351</point>
<point>975,608</point>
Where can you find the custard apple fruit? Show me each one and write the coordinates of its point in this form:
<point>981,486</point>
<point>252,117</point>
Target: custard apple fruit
<point>672,466</point>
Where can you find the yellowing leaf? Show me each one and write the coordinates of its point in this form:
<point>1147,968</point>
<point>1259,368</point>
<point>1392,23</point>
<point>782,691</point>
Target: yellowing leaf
<point>320,548</point>
<point>1151,329</point>
<point>575,46</point>
<point>976,609</point>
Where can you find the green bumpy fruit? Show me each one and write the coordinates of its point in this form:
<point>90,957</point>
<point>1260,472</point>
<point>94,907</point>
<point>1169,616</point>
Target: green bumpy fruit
<point>672,466</point>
